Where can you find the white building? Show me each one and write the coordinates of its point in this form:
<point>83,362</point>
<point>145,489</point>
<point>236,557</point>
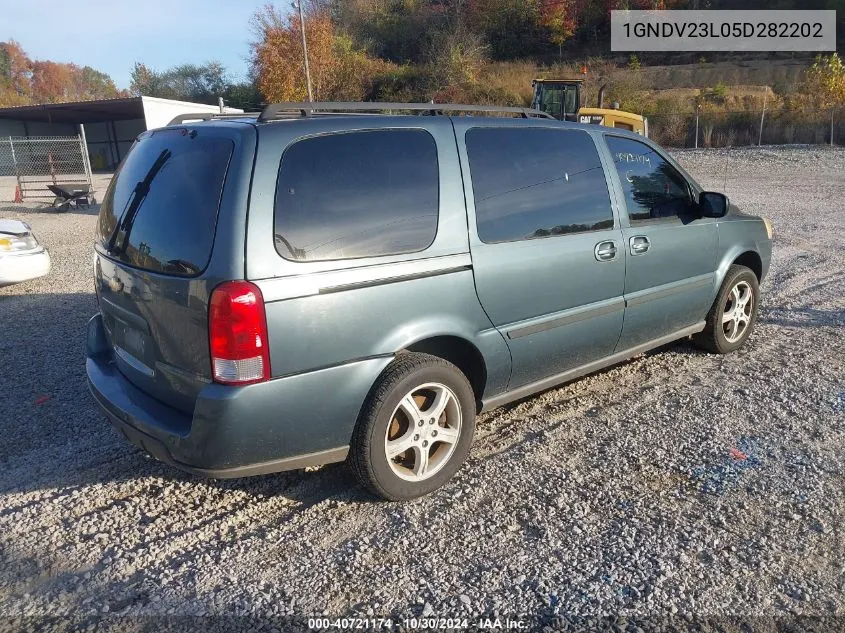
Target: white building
<point>110,125</point>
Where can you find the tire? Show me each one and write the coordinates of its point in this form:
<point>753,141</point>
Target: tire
<point>719,336</point>
<point>413,388</point>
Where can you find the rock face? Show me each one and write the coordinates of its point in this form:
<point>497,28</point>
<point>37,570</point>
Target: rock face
<point>680,482</point>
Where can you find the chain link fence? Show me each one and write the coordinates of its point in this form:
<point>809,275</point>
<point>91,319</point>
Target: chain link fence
<point>38,161</point>
<point>738,128</point>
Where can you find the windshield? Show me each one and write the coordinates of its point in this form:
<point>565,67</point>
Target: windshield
<point>559,101</point>
<point>160,211</point>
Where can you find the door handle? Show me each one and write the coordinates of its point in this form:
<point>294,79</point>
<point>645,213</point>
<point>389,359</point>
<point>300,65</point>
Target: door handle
<point>639,244</point>
<point>605,251</point>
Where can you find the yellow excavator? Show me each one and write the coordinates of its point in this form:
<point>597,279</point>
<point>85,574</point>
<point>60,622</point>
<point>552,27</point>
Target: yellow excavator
<point>562,99</point>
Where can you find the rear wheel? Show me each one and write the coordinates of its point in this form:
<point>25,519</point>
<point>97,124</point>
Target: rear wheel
<point>734,313</point>
<point>416,428</point>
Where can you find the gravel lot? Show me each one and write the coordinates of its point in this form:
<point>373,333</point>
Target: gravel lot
<point>677,483</point>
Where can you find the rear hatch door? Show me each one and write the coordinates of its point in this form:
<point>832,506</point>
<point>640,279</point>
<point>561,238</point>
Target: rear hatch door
<point>154,240</point>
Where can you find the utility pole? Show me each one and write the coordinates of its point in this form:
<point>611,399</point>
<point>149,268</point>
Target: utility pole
<point>305,51</point>
<point>220,103</point>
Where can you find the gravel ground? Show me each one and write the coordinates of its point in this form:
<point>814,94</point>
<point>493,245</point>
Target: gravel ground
<point>678,483</point>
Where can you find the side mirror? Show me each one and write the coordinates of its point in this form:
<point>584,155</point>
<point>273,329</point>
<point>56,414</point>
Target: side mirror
<point>712,204</point>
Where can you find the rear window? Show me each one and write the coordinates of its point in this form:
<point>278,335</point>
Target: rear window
<point>160,211</point>
<point>357,194</point>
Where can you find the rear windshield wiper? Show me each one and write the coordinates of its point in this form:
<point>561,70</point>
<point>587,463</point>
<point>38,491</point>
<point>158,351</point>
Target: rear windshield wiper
<point>181,266</point>
<point>119,238</point>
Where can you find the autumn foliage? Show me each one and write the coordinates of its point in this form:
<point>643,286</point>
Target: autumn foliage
<point>339,71</point>
<point>24,81</point>
<point>826,81</point>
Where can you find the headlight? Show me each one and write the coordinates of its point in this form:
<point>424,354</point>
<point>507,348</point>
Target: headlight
<point>770,229</point>
<point>17,243</point>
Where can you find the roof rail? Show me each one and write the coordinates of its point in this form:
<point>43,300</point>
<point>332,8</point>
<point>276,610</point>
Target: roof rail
<point>208,116</point>
<point>306,109</point>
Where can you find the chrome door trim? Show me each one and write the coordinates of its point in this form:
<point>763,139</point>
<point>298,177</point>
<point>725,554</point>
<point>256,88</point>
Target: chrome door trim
<point>282,288</point>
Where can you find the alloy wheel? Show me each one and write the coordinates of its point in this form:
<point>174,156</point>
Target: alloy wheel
<point>737,311</point>
<point>423,432</point>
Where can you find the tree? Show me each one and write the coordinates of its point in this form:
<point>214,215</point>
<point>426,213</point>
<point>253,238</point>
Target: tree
<point>396,30</point>
<point>339,69</point>
<point>278,60</point>
<point>24,81</point>
<point>53,82</point>
<point>558,16</point>
<point>244,95</point>
<point>457,57</point>
<point>93,84</point>
<point>15,74</point>
<point>825,82</point>
<point>187,82</point>
<point>511,27</point>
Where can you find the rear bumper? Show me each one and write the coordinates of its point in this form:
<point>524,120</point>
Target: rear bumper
<point>282,424</point>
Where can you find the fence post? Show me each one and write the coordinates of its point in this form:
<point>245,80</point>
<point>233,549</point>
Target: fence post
<point>762,118</point>
<point>697,112</point>
<point>86,160</point>
<point>831,126</point>
<point>15,165</point>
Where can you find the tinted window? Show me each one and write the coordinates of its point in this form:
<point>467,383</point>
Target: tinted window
<point>359,194</point>
<point>536,182</point>
<point>160,210</point>
<point>653,188</point>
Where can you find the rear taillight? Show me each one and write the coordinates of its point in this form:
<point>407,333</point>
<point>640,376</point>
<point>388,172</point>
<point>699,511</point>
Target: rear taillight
<point>237,333</point>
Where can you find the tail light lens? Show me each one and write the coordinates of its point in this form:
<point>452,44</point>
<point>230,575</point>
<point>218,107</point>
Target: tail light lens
<point>237,332</point>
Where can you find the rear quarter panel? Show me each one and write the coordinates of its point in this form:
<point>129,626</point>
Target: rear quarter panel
<point>326,313</point>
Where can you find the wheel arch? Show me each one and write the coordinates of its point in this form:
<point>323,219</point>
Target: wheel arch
<point>459,351</point>
<point>743,254</point>
<point>750,259</point>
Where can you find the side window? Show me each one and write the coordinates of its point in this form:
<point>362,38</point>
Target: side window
<point>531,183</point>
<point>357,194</point>
<point>653,188</point>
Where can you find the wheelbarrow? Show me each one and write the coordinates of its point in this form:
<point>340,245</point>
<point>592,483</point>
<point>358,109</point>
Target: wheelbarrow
<point>72,195</point>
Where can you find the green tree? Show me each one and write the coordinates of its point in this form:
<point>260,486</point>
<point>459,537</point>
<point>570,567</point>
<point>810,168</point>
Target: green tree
<point>186,82</point>
<point>511,27</point>
<point>93,84</point>
<point>825,82</point>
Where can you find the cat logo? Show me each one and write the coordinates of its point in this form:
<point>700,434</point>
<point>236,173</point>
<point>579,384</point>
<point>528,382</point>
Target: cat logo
<point>591,119</point>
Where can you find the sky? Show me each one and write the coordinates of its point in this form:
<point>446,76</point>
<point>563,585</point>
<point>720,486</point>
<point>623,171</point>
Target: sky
<point>111,35</point>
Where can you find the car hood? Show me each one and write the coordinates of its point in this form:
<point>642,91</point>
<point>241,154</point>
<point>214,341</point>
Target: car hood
<point>14,227</point>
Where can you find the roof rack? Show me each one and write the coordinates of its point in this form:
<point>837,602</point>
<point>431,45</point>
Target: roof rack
<point>307,109</point>
<point>208,116</point>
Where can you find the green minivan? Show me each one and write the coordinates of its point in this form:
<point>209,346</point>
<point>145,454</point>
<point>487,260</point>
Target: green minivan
<point>325,281</point>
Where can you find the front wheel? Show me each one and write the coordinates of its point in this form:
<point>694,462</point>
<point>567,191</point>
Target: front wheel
<point>415,429</point>
<point>734,313</point>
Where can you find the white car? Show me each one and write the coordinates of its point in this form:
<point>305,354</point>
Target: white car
<point>21,256</point>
